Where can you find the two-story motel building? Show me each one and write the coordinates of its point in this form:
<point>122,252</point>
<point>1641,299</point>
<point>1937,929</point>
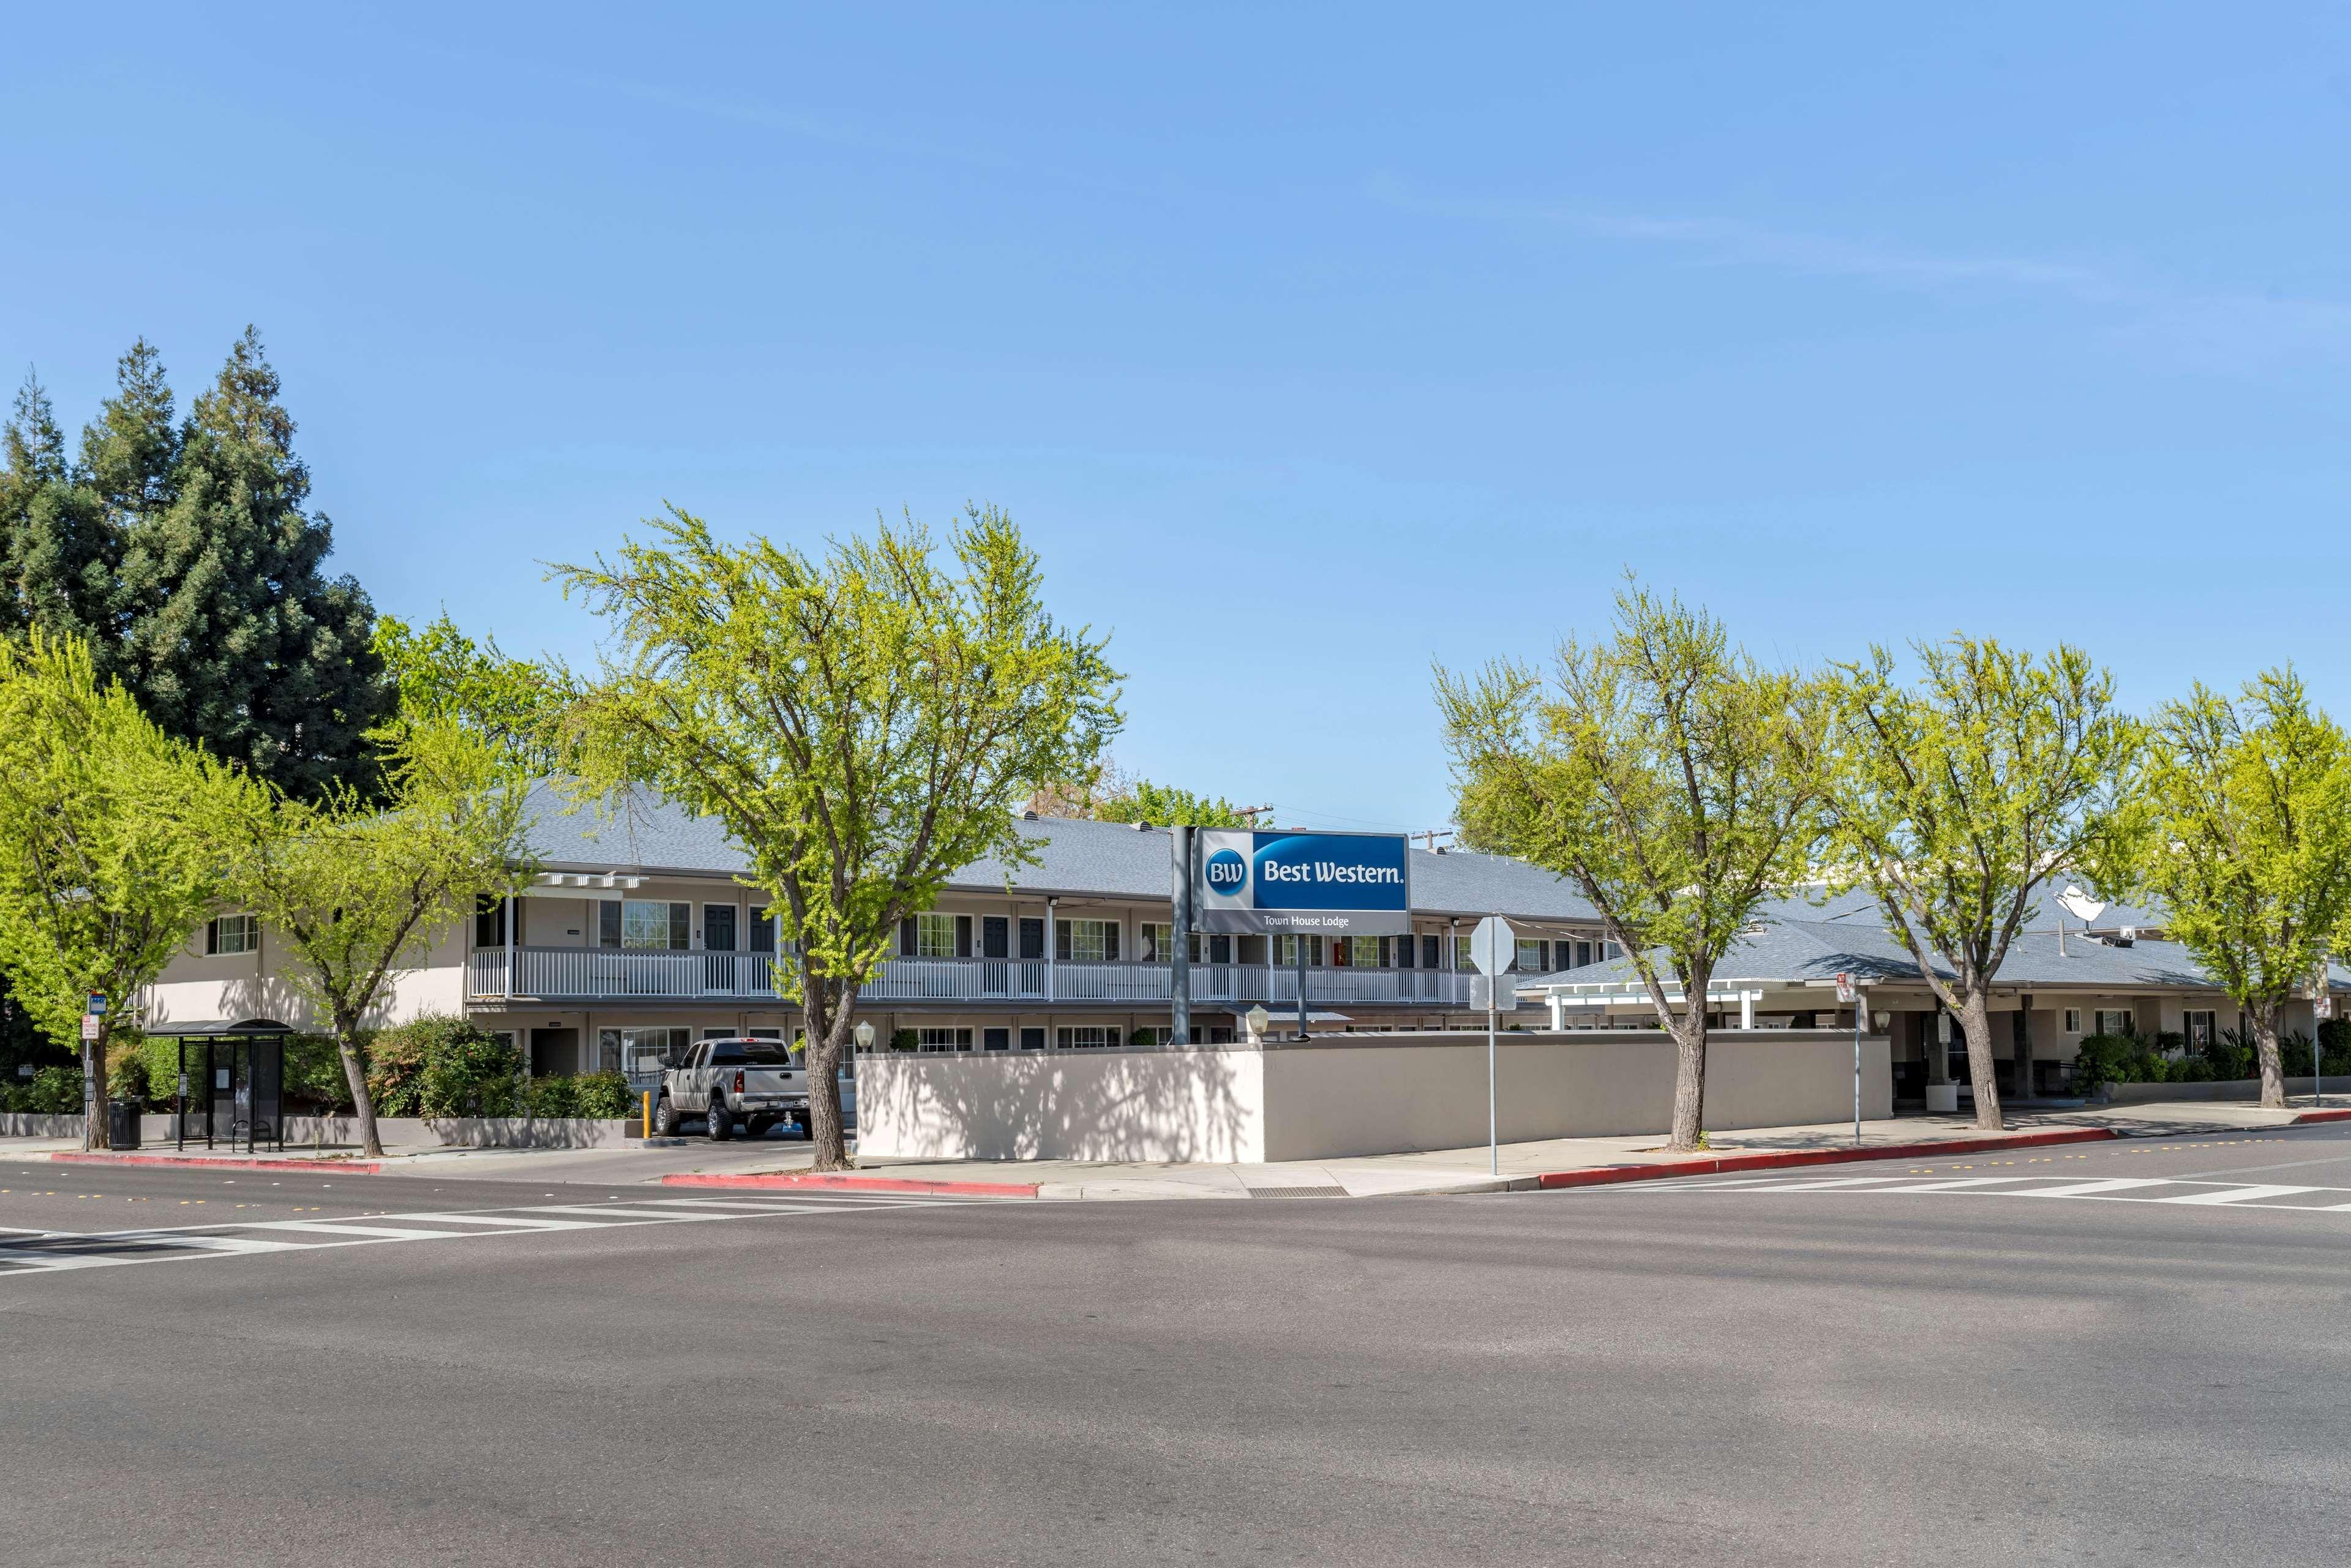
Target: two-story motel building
<point>638,935</point>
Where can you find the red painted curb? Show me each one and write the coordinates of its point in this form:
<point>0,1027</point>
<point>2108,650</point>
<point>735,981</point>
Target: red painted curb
<point>89,1158</point>
<point>2322,1116</point>
<point>1776,1159</point>
<point>860,1183</point>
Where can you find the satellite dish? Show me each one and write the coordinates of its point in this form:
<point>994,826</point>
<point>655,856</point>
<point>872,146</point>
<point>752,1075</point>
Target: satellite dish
<point>2080,905</point>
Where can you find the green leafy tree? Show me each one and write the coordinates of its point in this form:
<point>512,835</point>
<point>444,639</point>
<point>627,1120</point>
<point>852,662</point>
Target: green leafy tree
<point>439,672</point>
<point>2241,826</point>
<point>108,843</point>
<point>864,725</point>
<point>57,550</point>
<point>361,890</point>
<point>1666,774</point>
<point>1113,795</point>
<point>1956,799</point>
<point>232,632</point>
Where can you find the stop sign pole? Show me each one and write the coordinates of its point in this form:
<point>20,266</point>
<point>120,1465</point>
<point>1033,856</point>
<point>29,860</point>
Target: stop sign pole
<point>1493,947</point>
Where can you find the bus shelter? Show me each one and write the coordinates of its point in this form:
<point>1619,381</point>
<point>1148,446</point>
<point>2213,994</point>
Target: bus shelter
<point>231,1086</point>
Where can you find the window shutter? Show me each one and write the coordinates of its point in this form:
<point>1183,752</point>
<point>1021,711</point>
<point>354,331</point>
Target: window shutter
<point>963,936</point>
<point>1109,939</point>
<point>906,937</point>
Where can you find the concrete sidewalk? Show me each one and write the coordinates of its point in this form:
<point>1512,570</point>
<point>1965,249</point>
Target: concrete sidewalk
<point>1554,1162</point>
<point>1524,1165</point>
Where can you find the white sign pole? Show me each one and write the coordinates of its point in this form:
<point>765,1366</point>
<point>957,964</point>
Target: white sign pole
<point>1493,947</point>
<point>1845,992</point>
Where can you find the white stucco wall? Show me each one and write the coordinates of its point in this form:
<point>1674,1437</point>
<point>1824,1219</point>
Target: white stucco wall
<point>1344,1095</point>
<point>196,989</point>
<point>1192,1105</point>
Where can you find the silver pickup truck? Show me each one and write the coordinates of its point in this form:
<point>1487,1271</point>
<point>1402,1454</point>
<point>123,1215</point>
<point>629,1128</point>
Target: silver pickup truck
<point>750,1084</point>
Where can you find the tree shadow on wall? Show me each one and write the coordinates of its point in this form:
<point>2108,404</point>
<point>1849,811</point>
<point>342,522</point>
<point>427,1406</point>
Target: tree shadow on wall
<point>1122,1105</point>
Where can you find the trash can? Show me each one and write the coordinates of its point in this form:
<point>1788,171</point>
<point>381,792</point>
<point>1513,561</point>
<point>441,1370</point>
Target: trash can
<point>122,1124</point>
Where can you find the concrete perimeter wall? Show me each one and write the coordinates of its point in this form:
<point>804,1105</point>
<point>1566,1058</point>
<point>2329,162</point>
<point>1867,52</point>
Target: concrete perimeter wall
<point>1341,1095</point>
<point>301,1132</point>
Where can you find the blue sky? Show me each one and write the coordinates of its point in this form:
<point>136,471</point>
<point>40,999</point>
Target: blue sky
<point>1307,345</point>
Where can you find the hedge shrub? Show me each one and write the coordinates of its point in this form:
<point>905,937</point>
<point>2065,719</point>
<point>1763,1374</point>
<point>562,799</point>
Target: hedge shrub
<point>605,1096</point>
<point>442,1066</point>
<point>51,1091</point>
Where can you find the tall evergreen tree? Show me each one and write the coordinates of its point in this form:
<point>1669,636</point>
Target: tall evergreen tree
<point>129,451</point>
<point>234,635</point>
<point>57,549</point>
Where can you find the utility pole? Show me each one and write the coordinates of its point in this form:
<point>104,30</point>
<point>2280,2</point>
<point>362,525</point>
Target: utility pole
<point>1179,977</point>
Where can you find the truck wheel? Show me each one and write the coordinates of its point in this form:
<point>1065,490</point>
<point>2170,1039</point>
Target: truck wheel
<point>722,1126</point>
<point>666,1119</point>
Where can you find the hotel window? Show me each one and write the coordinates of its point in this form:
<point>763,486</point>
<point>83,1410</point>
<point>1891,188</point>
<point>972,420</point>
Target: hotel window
<point>644,923</point>
<point>1087,941</point>
<point>935,937</point>
<point>938,1038</point>
<point>641,1052</point>
<point>232,934</point>
<point>2201,1030</point>
<point>2114,1020</point>
<point>2073,1020</point>
<point>1086,1037</point>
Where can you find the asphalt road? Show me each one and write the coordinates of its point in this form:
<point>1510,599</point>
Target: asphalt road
<point>1663,1373</point>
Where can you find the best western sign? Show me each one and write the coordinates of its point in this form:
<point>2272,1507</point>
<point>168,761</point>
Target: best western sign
<point>1343,885</point>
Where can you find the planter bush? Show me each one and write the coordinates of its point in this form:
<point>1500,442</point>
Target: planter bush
<point>550,1097</point>
<point>442,1066</point>
<point>604,1096</point>
<point>51,1091</point>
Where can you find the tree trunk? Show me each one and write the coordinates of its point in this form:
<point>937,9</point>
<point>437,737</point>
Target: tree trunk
<point>348,1045</point>
<point>2265,1045</point>
<point>95,1131</point>
<point>1689,1076</point>
<point>828,1038</point>
<point>1975,1022</point>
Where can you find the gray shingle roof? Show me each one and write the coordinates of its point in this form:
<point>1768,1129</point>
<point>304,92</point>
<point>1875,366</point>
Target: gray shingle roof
<point>1792,951</point>
<point>641,832</point>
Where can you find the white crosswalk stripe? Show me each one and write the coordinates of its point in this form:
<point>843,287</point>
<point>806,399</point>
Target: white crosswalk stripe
<point>30,1252</point>
<point>2239,1195</point>
<point>2190,1191</point>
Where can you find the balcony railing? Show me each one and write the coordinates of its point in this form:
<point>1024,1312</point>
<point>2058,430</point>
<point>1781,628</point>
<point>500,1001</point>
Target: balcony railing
<point>599,974</point>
